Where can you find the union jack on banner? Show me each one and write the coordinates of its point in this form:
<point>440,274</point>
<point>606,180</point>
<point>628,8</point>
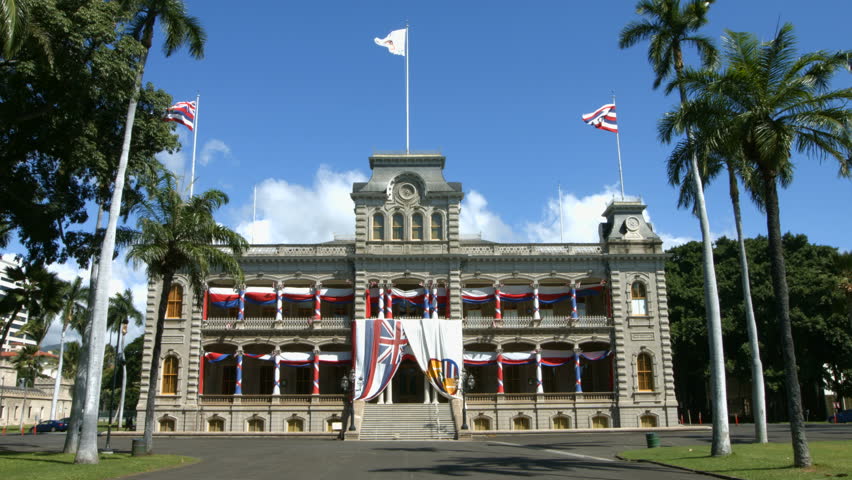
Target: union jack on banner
<point>380,349</point>
<point>603,118</point>
<point>183,113</point>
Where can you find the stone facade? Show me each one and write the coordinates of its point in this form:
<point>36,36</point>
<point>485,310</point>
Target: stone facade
<point>407,236</point>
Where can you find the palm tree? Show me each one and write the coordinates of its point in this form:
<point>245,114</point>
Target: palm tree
<point>73,306</point>
<point>29,364</point>
<point>35,287</point>
<point>176,236</point>
<point>181,30</point>
<point>668,27</point>
<point>121,310</point>
<point>13,25</point>
<point>711,163</point>
<point>773,102</point>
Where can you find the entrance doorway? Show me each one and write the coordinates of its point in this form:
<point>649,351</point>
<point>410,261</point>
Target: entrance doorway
<point>408,383</point>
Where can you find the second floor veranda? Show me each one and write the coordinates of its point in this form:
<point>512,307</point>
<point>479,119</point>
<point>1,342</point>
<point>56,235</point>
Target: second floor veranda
<point>483,306</point>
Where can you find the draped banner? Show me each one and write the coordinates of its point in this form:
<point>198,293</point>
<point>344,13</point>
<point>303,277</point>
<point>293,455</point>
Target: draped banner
<point>379,348</point>
<point>381,345</point>
<point>437,347</point>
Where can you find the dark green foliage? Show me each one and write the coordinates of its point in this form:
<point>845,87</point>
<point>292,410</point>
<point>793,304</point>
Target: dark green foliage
<point>61,126</point>
<point>818,314</point>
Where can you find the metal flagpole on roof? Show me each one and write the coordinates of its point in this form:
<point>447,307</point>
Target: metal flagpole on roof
<point>253,214</point>
<point>559,199</point>
<point>618,145</point>
<point>407,122</point>
<point>194,144</point>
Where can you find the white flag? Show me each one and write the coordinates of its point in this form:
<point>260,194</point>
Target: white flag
<point>395,42</point>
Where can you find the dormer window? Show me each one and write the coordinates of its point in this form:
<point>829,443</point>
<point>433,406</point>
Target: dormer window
<point>398,226</point>
<point>417,227</point>
<point>378,227</point>
<point>437,227</point>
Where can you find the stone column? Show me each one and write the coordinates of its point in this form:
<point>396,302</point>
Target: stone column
<point>316,389</point>
<point>578,372</point>
<point>500,390</point>
<point>317,303</point>
<point>427,390</point>
<point>381,301</point>
<point>539,385</point>
<point>238,388</point>
<point>536,312</point>
<point>389,301</point>
<point>434,300</point>
<point>276,389</point>
<point>279,294</point>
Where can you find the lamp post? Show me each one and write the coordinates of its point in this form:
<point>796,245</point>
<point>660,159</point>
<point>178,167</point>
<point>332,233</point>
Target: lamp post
<point>119,360</point>
<point>467,383</point>
<point>347,384</point>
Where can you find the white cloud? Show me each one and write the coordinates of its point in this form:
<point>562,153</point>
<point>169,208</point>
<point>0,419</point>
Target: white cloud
<point>175,162</point>
<point>475,218</point>
<point>580,218</point>
<point>211,148</point>
<point>291,213</point>
<point>671,241</point>
<point>124,276</point>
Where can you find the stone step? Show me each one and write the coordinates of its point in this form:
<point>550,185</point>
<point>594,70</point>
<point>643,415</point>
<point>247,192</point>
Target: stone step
<point>407,422</point>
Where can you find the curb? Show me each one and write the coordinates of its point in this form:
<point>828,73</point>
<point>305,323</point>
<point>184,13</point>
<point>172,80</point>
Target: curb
<point>677,467</point>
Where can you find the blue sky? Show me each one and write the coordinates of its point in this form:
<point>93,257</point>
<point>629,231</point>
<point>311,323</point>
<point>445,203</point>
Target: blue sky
<point>295,96</point>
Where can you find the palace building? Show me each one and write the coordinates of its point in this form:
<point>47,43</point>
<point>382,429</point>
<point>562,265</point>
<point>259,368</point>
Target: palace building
<point>555,336</point>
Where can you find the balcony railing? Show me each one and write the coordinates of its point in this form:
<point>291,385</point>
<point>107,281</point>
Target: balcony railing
<point>531,249</point>
<point>344,323</point>
<point>268,323</point>
<point>589,321</point>
<point>298,250</point>
<point>549,398</point>
<point>326,399</point>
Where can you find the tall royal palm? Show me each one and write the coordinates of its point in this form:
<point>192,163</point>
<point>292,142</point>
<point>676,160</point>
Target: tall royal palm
<point>73,305</point>
<point>669,27</point>
<point>712,161</point>
<point>774,103</point>
<point>121,310</point>
<point>177,237</point>
<point>181,30</point>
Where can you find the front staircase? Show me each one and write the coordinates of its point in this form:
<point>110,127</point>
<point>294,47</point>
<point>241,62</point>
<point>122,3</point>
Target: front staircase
<point>408,421</point>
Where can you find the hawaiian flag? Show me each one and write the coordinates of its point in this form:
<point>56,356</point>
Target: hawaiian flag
<point>603,118</point>
<point>380,349</point>
<point>183,113</point>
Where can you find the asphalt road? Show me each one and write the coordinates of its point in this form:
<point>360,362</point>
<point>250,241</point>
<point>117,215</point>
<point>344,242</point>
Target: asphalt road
<point>578,455</point>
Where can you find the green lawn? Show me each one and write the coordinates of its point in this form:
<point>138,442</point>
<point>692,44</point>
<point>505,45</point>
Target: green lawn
<point>772,461</point>
<point>26,466</point>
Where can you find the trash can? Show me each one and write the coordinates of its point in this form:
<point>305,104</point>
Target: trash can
<point>138,447</point>
<point>652,439</point>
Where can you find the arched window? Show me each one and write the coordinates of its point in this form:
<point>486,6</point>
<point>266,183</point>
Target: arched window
<point>167,425</point>
<point>398,226</point>
<point>521,423</point>
<point>295,425</point>
<point>170,376</point>
<point>561,422</point>
<point>481,423</point>
<point>175,305</point>
<point>378,227</point>
<point>216,425</point>
<point>648,421</point>
<point>417,227</point>
<point>600,421</point>
<point>437,227</point>
<point>645,372</point>
<point>638,299</point>
<point>255,425</point>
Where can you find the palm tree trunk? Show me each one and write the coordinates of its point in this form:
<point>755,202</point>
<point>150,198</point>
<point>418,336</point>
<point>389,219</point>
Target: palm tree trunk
<point>154,377</point>
<point>721,443</point>
<point>801,452</point>
<point>758,395</point>
<point>72,438</point>
<point>120,413</point>
<point>58,380</point>
<point>87,451</point>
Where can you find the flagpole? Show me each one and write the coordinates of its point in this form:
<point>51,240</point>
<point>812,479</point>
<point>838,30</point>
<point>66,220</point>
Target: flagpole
<point>618,146</point>
<point>407,122</point>
<point>561,229</point>
<point>253,214</point>
<point>194,144</point>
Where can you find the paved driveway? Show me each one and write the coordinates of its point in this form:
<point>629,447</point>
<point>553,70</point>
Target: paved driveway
<point>578,455</point>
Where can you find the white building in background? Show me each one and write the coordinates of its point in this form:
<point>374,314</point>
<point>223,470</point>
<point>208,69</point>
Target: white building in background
<point>14,341</point>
